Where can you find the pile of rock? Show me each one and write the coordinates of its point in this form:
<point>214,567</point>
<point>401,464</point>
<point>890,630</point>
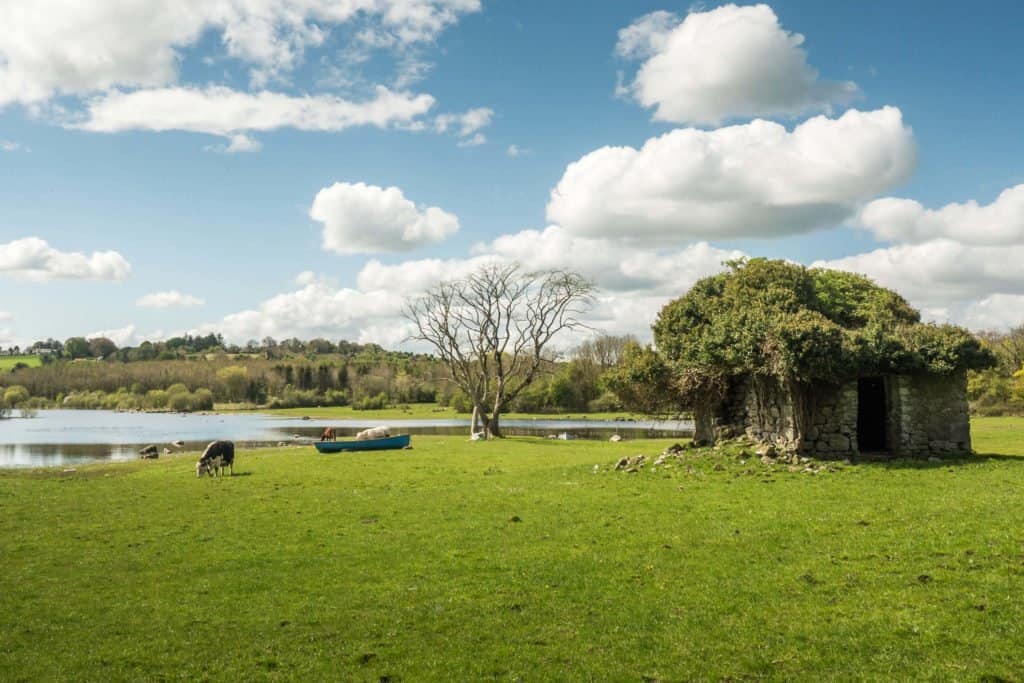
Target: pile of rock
<point>635,463</point>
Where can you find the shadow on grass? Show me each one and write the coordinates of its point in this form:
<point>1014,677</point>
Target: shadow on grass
<point>938,463</point>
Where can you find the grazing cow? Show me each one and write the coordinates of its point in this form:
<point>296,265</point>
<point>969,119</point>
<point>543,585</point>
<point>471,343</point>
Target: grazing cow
<point>328,434</point>
<point>217,456</point>
<point>373,433</point>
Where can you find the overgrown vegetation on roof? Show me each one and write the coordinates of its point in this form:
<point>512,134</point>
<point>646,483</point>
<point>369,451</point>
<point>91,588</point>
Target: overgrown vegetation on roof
<point>777,319</point>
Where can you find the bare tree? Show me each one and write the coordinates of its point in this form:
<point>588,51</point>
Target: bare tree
<point>493,327</point>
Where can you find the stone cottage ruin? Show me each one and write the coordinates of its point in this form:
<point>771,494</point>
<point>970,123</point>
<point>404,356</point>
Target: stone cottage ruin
<point>899,415</point>
<point>810,361</point>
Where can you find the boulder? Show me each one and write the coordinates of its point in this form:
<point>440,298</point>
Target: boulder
<point>615,438</point>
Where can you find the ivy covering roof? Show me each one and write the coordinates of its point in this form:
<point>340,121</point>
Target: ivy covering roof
<point>774,318</point>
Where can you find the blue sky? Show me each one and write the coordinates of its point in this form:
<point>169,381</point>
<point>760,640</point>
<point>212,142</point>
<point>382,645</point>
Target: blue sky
<point>171,167</point>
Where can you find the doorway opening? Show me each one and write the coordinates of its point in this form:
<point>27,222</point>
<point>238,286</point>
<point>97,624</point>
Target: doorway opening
<point>872,415</point>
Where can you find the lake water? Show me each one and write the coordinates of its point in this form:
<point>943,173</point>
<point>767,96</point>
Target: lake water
<point>67,437</point>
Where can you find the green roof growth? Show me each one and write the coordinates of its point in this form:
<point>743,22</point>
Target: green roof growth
<point>773,318</point>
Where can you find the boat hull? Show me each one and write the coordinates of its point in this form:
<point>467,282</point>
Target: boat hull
<point>386,444</point>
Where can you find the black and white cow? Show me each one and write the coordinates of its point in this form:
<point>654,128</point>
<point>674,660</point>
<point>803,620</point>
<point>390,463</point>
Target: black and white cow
<point>217,456</point>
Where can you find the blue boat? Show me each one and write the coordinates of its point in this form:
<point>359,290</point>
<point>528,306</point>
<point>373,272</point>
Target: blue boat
<point>386,444</point>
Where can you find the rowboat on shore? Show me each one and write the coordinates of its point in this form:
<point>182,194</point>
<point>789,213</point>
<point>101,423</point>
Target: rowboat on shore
<point>385,444</point>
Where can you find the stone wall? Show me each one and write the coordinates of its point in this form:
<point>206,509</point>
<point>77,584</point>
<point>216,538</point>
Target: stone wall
<point>927,415</point>
<point>833,431</point>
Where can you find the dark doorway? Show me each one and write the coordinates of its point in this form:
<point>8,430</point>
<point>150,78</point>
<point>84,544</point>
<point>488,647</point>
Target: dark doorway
<point>871,414</point>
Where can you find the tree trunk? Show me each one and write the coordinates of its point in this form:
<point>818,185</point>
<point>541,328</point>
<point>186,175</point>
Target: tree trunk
<point>475,422</point>
<point>703,427</point>
<point>494,426</point>
<point>485,423</point>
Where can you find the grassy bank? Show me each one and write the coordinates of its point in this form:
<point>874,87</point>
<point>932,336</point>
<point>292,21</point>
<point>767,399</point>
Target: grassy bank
<point>515,560</point>
<point>425,411</point>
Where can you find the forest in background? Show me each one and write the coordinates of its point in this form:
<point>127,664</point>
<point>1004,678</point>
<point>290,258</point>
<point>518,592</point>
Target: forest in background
<point>194,373</point>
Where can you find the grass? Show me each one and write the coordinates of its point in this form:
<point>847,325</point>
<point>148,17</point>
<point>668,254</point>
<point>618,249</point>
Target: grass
<point>7,363</point>
<point>425,411</point>
<point>516,560</point>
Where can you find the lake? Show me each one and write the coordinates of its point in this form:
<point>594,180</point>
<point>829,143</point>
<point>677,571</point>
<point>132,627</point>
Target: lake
<point>67,437</point>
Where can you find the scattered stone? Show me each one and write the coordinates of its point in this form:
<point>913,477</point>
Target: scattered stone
<point>674,449</point>
<point>766,451</point>
<point>515,518</point>
<point>615,438</point>
<point>633,470</point>
<point>622,464</point>
<point>718,467</point>
<point>924,578</point>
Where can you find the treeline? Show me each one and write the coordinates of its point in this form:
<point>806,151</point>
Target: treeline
<point>1000,390</point>
<point>188,346</point>
<point>285,374</point>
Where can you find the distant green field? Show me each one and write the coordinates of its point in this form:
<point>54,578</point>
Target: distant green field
<point>8,362</point>
<point>518,559</point>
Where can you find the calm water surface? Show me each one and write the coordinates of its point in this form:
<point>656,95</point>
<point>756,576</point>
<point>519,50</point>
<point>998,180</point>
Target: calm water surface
<point>65,437</point>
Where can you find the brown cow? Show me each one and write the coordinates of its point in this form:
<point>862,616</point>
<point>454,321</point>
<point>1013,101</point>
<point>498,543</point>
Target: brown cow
<point>328,434</point>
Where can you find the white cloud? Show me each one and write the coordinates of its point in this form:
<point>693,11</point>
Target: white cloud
<point>317,309</point>
<point>7,330</point>
<point>9,146</point>
<point>83,46</point>
<point>752,180</point>
<point>32,258</point>
<point>944,277</point>
<point>635,283</point>
<point>223,111</point>
<point>516,151</point>
<point>466,125</point>
<point>611,265</point>
<point>361,219</point>
<point>237,144</point>
<point>725,63</point>
<point>904,220</point>
<point>170,299</point>
<point>122,336</point>
<point>996,312</point>
<point>475,141</point>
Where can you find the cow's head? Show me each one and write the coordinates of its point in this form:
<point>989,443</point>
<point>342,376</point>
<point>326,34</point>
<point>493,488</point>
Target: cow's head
<point>201,468</point>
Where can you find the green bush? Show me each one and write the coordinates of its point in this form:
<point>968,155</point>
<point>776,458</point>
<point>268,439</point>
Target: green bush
<point>156,399</point>
<point>607,402</point>
<point>178,388</point>
<point>15,396</point>
<point>378,402</point>
<point>334,397</point>
<point>180,402</point>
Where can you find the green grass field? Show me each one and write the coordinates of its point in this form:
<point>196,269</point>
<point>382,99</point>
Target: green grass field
<point>8,362</point>
<point>516,560</point>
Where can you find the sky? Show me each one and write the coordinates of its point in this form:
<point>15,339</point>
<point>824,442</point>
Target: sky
<point>302,168</point>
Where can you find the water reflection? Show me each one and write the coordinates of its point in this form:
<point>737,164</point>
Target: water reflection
<point>67,437</point>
